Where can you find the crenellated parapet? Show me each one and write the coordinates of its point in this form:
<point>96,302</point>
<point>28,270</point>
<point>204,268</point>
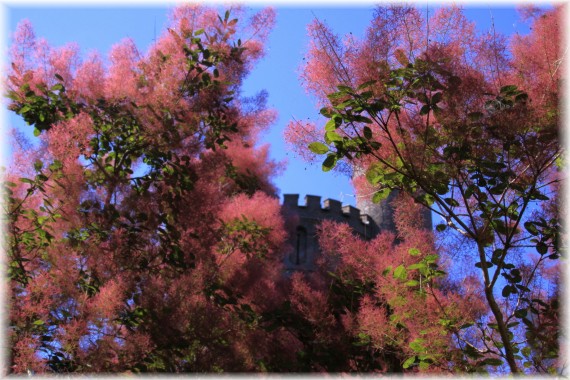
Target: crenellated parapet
<point>331,209</point>
<point>367,221</point>
<point>310,214</point>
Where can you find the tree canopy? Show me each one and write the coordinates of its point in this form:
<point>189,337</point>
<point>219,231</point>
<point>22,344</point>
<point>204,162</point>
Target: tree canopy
<point>467,126</point>
<point>146,235</point>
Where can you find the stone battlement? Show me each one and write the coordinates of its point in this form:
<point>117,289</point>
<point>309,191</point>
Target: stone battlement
<point>304,243</point>
<point>331,209</point>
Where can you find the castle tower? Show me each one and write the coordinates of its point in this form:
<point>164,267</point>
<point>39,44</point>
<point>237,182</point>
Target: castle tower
<point>368,220</point>
<point>382,214</point>
<point>303,240</point>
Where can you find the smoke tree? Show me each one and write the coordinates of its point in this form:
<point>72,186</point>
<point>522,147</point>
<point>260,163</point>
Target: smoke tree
<point>144,234</point>
<point>467,125</point>
<point>377,306</point>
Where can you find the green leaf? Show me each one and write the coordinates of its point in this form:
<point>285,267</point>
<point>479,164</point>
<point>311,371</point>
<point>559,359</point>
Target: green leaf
<point>367,132</point>
<point>522,97</point>
<point>326,112</point>
<point>27,180</point>
<point>541,248</point>
<point>480,265</point>
<point>336,95</point>
<point>431,258</point>
<point>436,98</point>
<point>374,174</point>
<point>330,162</point>
<point>330,125</point>
<point>346,104</point>
<point>38,165</point>
<point>414,251</point>
<point>409,362</point>
<point>318,148</point>
<point>425,109</point>
<point>441,188</point>
<point>56,165</point>
<point>424,365</point>
<point>380,195</point>
<point>57,87</point>
<point>366,84</point>
<point>400,272</point>
<point>343,88</point>
<point>451,201</point>
<point>508,89</point>
<point>441,227</point>
<point>333,136</point>
<point>499,226</point>
<point>466,325</point>
<point>37,132</point>
<point>521,313</point>
<point>507,290</point>
<point>425,199</point>
<point>361,119</point>
<point>526,351</point>
<point>417,345</point>
<point>492,361</point>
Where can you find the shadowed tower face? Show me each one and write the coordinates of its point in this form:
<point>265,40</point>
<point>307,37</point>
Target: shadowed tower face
<point>303,242</point>
<point>299,255</point>
<point>367,221</point>
<point>382,213</point>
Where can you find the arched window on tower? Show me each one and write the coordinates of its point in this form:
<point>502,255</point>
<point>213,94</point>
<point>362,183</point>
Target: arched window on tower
<point>299,254</point>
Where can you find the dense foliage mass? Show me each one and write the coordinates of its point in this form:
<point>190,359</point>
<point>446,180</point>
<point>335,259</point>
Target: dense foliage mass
<point>467,125</point>
<point>145,234</point>
<point>148,211</point>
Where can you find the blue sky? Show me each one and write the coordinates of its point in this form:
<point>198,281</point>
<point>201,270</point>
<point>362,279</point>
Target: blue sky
<point>98,28</point>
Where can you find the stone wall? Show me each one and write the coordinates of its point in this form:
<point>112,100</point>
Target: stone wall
<point>303,241</point>
<point>367,221</point>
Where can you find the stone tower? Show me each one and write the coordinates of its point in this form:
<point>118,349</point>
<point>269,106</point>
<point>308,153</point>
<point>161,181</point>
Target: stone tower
<point>382,214</point>
<point>368,220</point>
<point>305,248</point>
